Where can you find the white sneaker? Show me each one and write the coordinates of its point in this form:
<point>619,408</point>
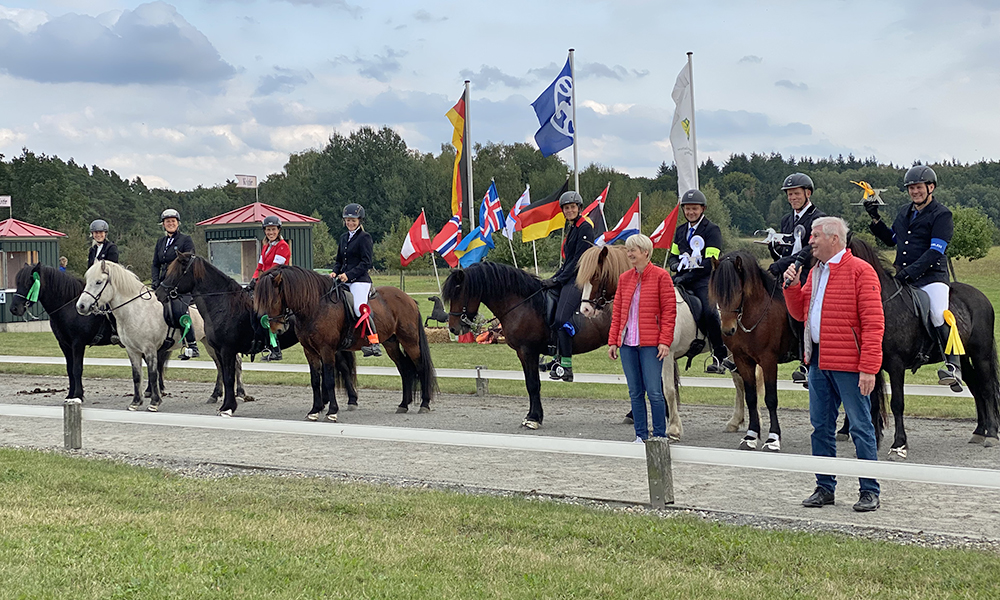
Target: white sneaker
<point>638,440</point>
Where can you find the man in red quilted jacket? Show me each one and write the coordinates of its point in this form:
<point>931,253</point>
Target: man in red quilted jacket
<point>841,305</point>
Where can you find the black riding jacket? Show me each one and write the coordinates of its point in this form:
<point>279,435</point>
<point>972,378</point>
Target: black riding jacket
<point>579,237</point>
<point>109,251</point>
<point>354,256</point>
<point>788,223</point>
<point>166,251</point>
<point>920,238</point>
<point>695,278</point>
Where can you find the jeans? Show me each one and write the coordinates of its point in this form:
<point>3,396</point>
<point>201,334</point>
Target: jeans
<point>827,390</point>
<point>644,374</point>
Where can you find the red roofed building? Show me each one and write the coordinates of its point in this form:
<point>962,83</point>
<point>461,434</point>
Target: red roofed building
<point>23,243</point>
<point>234,238</point>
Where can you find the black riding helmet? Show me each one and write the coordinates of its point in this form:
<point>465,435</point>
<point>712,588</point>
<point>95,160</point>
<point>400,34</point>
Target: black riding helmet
<point>354,211</point>
<point>271,221</point>
<point>920,174</point>
<point>99,225</point>
<point>570,198</point>
<point>694,197</point>
<point>798,180</point>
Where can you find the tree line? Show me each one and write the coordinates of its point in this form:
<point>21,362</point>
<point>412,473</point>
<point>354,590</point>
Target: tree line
<point>374,167</point>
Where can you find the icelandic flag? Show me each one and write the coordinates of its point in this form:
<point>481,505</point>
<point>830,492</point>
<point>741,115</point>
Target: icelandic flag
<point>445,242</point>
<point>491,213</point>
<point>555,114</point>
<point>473,248</point>
<point>628,225</point>
<point>510,226</point>
<point>417,241</point>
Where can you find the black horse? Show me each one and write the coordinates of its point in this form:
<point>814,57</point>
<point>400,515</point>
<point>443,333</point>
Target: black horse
<point>58,293</point>
<point>231,325</point>
<point>907,345</point>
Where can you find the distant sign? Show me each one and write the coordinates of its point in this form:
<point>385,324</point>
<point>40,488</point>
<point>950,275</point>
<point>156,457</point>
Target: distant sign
<point>3,296</point>
<point>246,181</point>
<point>4,201</point>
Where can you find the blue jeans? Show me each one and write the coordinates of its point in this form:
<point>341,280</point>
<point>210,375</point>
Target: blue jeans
<point>644,374</point>
<point>827,390</point>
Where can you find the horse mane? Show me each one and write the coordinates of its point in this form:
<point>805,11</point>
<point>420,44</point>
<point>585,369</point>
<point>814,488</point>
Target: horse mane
<point>492,280</point>
<point>200,269</point>
<point>726,282</point>
<point>57,284</point>
<point>615,263</point>
<point>870,255</point>
<point>122,280</point>
<point>299,289</point>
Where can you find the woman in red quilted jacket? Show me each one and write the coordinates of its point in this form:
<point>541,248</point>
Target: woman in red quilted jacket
<point>642,327</point>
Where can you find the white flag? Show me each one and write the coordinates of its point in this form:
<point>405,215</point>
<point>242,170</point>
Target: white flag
<point>4,201</point>
<point>682,133</point>
<point>246,181</point>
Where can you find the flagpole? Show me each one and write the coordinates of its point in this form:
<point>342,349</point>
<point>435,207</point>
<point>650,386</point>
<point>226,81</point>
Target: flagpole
<point>534,252</point>
<point>467,147</point>
<point>694,138</point>
<point>435,265</point>
<point>572,72</point>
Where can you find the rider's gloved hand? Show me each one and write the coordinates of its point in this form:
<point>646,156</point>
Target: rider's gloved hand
<point>902,276</point>
<point>549,284</point>
<point>251,285</point>
<point>682,277</point>
<point>871,206</point>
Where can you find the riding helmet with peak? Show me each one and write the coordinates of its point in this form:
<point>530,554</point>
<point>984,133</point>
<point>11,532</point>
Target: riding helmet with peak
<point>169,213</point>
<point>99,225</point>
<point>354,211</point>
<point>693,197</point>
<point>798,180</point>
<point>570,198</point>
<point>271,221</point>
<point>919,174</point>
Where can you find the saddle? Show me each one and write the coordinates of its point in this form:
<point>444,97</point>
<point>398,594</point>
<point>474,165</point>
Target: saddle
<point>350,315</point>
<point>930,348</point>
<point>174,310</point>
<point>694,305</point>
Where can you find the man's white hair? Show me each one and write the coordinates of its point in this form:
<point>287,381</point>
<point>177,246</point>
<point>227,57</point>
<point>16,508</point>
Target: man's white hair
<point>833,226</point>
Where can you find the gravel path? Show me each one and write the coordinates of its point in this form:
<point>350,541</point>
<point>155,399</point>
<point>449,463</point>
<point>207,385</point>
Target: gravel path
<point>910,513</point>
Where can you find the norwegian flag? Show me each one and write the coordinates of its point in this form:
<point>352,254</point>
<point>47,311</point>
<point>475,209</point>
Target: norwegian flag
<point>445,241</point>
<point>663,236</point>
<point>417,242</point>
<point>491,214</point>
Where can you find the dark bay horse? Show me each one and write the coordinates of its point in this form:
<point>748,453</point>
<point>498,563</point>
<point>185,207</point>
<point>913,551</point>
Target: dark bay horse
<point>904,341</point>
<point>515,297</point>
<point>57,293</point>
<point>230,322</point>
<point>756,327</point>
<point>324,324</point>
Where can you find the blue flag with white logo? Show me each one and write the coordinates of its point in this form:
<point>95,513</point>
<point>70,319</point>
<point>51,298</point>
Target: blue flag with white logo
<point>555,114</point>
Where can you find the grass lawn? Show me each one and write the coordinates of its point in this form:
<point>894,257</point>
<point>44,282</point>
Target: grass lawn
<point>75,528</point>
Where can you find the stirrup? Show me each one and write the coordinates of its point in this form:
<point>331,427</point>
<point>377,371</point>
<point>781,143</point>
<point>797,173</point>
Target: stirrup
<point>951,375</point>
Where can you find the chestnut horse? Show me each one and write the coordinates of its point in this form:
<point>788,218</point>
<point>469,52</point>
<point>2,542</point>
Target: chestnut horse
<point>324,325</point>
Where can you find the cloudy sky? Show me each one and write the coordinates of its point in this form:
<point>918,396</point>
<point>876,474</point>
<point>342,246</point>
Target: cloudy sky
<point>187,93</point>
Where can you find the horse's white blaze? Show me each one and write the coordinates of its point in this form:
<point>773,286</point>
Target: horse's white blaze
<point>586,308</point>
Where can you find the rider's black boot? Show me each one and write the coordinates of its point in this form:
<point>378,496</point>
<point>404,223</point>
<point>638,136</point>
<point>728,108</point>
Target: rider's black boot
<point>951,373</point>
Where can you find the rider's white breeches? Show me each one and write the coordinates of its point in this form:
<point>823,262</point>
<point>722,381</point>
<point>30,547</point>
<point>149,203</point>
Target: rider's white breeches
<point>938,293</point>
<point>360,290</point>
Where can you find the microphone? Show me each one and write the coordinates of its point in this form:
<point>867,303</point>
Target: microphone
<point>800,260</point>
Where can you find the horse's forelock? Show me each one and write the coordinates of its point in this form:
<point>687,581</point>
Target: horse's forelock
<point>449,291</point>
<point>727,283</point>
<point>123,280</point>
<point>266,296</point>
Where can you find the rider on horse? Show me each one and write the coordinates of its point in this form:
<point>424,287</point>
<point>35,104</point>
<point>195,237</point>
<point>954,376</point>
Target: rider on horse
<point>274,251</point>
<point>166,251</point>
<point>689,256</point>
<point>921,233</point>
<point>579,237</point>
<point>103,249</point>
<point>354,259</point>
<point>798,188</point>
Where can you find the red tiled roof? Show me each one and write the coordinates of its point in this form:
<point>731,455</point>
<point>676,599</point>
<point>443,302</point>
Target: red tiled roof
<point>12,228</point>
<point>255,213</point>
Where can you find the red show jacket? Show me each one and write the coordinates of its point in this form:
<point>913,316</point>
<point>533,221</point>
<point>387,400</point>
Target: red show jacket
<point>270,255</point>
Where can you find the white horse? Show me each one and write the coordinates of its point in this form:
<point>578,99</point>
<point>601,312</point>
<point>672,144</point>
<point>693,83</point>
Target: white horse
<point>599,270</point>
<point>141,327</point>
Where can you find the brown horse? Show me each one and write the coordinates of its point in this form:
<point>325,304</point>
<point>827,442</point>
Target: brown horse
<point>755,323</point>
<point>324,324</point>
<point>517,300</point>
<point>599,270</point>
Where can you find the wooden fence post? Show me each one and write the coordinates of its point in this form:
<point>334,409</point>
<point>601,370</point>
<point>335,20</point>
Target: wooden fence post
<point>482,384</point>
<point>658,469</point>
<point>73,423</point>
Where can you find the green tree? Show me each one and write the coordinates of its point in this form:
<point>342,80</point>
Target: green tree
<point>324,246</point>
<point>974,234</point>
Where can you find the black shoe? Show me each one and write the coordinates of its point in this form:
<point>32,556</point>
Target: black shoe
<point>800,375</point>
<point>821,497</point>
<point>372,350</point>
<point>950,375</point>
<point>718,367</point>
<point>194,351</point>
<point>867,503</point>
<point>561,373</point>
<point>116,340</point>
<point>273,354</point>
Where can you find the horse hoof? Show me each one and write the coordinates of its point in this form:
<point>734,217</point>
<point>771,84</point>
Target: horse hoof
<point>674,437</point>
<point>529,424</point>
<point>628,421</point>
<point>352,407</point>
<point>424,410</point>
<point>843,437</point>
<point>135,406</point>
<point>312,417</point>
<point>153,408</point>
<point>249,399</point>
<point>897,453</point>
<point>771,446</point>
<point>991,442</point>
<point>977,439</point>
<point>730,428</point>
<point>331,418</point>
<point>226,413</point>
<point>401,409</point>
<point>212,400</point>
<point>748,443</point>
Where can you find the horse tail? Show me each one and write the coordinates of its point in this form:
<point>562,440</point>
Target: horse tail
<point>425,369</point>
<point>878,407</point>
<point>346,373</point>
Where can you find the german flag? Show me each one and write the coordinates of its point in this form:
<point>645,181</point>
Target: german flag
<point>539,219</point>
<point>460,174</point>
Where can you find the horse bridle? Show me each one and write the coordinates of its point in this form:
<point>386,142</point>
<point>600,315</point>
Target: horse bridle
<point>465,319</point>
<point>601,302</point>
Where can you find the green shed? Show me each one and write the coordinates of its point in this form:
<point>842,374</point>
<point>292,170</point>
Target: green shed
<point>22,243</point>
<point>234,238</point>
